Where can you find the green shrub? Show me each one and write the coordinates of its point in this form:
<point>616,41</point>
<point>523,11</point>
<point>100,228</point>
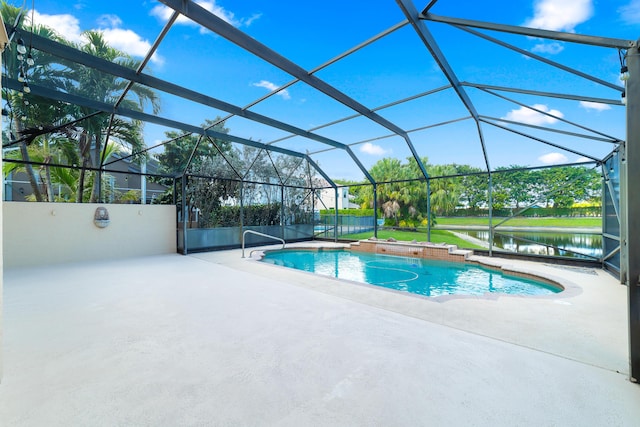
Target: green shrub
<point>353,212</point>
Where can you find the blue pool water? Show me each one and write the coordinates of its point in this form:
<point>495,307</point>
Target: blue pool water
<point>414,275</point>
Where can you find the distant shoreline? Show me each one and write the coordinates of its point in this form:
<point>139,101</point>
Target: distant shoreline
<point>564,230</point>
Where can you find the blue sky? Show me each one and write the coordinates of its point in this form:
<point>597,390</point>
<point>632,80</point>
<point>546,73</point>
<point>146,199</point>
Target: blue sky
<point>397,66</point>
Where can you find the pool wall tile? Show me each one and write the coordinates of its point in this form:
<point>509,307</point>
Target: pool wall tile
<point>410,249</point>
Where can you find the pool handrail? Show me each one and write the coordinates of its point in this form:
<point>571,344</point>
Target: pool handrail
<point>260,234</point>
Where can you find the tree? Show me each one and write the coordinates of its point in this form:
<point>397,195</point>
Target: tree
<point>28,112</point>
<point>34,116</point>
<point>179,149</point>
<point>90,83</point>
<point>390,194</point>
<point>567,185</point>
<point>514,187</point>
<point>401,190</point>
<point>179,157</point>
<point>445,192</point>
<point>474,189</point>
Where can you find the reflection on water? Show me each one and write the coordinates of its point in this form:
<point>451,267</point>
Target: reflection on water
<point>425,277</point>
<point>534,243</point>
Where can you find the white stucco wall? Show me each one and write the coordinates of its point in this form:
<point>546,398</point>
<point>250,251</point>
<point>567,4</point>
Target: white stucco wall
<point>328,197</point>
<point>54,233</point>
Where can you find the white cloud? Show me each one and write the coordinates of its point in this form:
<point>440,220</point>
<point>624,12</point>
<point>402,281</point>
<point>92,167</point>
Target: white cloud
<point>272,87</point>
<point>127,41</point>
<point>630,13</point>
<point>553,158</point>
<point>164,13</point>
<point>65,25</point>
<point>550,48</point>
<point>109,21</point>
<point>594,106</point>
<point>560,15</point>
<point>247,22</point>
<point>528,116</point>
<point>583,160</point>
<point>372,149</point>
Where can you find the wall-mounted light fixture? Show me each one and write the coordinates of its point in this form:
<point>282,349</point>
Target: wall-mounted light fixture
<point>101,217</point>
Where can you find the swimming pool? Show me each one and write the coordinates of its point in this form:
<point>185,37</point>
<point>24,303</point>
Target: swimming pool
<point>415,275</point>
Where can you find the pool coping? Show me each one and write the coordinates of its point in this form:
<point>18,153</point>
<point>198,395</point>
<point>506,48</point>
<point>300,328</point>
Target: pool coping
<point>568,288</point>
<point>570,323</point>
<point>214,327</point>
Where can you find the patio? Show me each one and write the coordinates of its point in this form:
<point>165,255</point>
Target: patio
<point>212,339</point>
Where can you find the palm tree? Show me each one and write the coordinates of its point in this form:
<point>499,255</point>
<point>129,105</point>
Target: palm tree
<point>95,85</point>
<point>30,114</point>
<point>68,179</point>
<point>445,193</point>
<point>390,195</point>
<point>26,110</point>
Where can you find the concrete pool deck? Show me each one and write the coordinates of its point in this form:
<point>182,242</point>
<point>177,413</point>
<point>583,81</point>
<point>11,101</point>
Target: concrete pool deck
<point>213,339</point>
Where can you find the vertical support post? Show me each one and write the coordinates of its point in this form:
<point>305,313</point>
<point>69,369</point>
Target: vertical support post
<point>241,208</point>
<point>603,213</point>
<point>630,210</point>
<point>375,210</point>
<point>313,212</point>
<point>335,228</point>
<point>143,181</point>
<point>490,181</point>
<point>99,184</point>
<point>174,198</point>
<point>174,201</point>
<point>282,211</point>
<point>428,210</point>
<point>4,40</point>
<point>185,214</point>
<point>622,169</point>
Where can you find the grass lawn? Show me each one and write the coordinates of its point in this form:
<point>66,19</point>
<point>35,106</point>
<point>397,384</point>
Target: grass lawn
<point>437,236</point>
<point>578,222</point>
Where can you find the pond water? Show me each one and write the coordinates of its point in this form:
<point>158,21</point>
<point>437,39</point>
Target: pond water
<point>576,245</point>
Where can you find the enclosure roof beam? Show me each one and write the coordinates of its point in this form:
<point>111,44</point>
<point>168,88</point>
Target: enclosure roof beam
<point>141,67</point>
<point>430,43</point>
<point>208,20</point>
<point>548,129</point>
<point>545,113</point>
<point>102,65</point>
<point>546,94</point>
<point>46,130</point>
<point>320,171</point>
<point>534,32</point>
<point>355,116</point>
<point>150,118</point>
<point>578,153</point>
<point>219,26</point>
<point>429,6</point>
<point>542,59</point>
<point>391,135</point>
<point>323,66</point>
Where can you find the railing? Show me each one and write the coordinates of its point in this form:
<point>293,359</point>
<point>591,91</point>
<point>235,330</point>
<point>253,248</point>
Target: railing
<point>260,234</point>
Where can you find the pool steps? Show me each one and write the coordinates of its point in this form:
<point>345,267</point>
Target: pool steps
<point>279,262</point>
<point>413,249</point>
